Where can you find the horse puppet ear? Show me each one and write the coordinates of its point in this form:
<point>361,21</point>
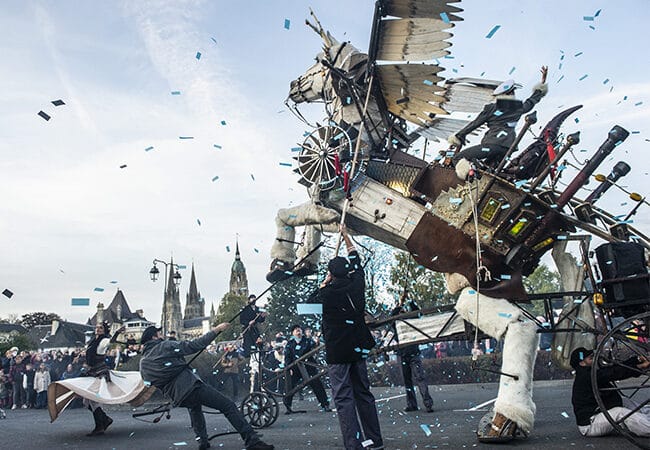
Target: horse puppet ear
<point>318,28</point>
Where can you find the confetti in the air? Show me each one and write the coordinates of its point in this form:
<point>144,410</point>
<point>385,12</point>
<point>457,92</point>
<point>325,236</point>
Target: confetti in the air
<point>185,137</point>
<point>44,115</point>
<point>444,17</point>
<point>123,166</point>
<point>217,146</point>
<point>80,302</point>
<point>287,24</point>
<point>98,289</point>
<point>198,221</point>
<point>285,164</point>
<point>176,92</point>
<point>7,293</point>
<point>148,149</point>
<point>223,122</point>
<point>215,178</point>
<point>58,102</point>
<point>198,55</point>
<point>252,177</point>
<point>492,31</point>
<point>228,248</point>
<point>583,77</point>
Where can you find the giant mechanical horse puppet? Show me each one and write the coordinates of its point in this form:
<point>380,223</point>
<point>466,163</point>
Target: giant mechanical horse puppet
<point>484,227</point>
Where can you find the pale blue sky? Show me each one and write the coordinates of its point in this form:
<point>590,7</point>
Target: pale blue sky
<point>72,220</point>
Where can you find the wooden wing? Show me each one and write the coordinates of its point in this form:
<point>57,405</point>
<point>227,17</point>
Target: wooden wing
<point>408,39</point>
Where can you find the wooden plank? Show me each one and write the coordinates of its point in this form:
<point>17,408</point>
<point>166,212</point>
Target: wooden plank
<point>402,213</point>
<point>429,324</point>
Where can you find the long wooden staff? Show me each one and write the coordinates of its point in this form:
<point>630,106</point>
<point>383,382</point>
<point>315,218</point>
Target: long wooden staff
<point>346,205</point>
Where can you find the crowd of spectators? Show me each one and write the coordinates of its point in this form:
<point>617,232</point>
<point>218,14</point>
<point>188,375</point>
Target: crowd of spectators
<point>26,375</point>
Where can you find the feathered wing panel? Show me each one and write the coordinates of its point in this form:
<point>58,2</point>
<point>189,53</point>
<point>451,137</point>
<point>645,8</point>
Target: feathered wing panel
<point>418,30</point>
<point>422,8</point>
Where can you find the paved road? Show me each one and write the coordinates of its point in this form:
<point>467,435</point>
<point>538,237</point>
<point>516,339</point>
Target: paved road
<point>452,425</point>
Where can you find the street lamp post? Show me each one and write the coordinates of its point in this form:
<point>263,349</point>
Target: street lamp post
<point>154,273</point>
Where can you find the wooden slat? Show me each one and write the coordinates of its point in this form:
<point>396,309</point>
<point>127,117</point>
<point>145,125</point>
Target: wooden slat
<point>408,56</point>
<point>429,324</point>
<point>441,128</point>
<point>413,27</point>
<point>422,8</point>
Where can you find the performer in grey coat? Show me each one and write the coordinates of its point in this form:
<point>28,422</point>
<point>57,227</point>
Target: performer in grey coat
<point>163,365</point>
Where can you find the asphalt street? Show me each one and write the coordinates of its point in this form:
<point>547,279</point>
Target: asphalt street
<point>458,409</point>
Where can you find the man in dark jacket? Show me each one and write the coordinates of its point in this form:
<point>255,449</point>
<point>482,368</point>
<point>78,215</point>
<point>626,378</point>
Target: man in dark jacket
<point>411,363</point>
<point>501,119</point>
<point>298,346</point>
<point>591,421</point>
<point>249,318</point>
<point>348,342</point>
<point>163,365</point>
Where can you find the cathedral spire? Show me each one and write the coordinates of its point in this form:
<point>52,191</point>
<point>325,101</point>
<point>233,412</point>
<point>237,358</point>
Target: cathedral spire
<point>194,307</point>
<point>238,278</point>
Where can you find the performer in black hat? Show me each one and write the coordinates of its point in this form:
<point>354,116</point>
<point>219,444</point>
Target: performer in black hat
<point>163,365</point>
<point>592,422</point>
<point>501,118</point>
<point>347,343</point>
<point>96,360</point>
<point>249,318</point>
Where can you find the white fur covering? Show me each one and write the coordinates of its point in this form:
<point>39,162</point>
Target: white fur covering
<point>463,167</point>
<point>455,282</point>
<point>541,87</point>
<point>305,214</point>
<point>499,317</point>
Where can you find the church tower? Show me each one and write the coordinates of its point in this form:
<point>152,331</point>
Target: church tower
<point>194,307</point>
<point>171,316</point>
<point>238,278</point>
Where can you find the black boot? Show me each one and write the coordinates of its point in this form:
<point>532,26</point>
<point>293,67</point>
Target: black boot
<point>99,423</point>
<point>106,421</point>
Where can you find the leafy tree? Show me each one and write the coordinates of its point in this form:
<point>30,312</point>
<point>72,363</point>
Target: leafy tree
<point>541,281</point>
<point>377,259</point>
<point>229,306</point>
<point>16,339</point>
<point>426,287</point>
<point>30,320</point>
<point>281,305</point>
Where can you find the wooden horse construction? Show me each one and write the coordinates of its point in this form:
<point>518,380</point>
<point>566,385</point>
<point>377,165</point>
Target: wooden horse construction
<point>485,232</point>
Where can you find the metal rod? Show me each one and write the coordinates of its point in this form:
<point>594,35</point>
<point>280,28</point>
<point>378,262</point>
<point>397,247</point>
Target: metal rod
<point>571,140</point>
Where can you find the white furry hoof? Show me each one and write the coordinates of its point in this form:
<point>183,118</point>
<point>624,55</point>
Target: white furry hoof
<point>463,167</point>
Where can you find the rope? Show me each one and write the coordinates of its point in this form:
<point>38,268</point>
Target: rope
<point>480,268</point>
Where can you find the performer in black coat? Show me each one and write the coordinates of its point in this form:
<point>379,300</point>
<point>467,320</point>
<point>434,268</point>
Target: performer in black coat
<point>501,118</point>
<point>591,421</point>
<point>249,319</point>
<point>163,365</point>
<point>411,363</point>
<point>348,342</point>
<point>298,346</point>
<point>96,359</point>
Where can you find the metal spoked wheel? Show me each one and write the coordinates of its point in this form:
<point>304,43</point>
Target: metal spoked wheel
<point>260,409</point>
<point>316,161</point>
<point>629,339</point>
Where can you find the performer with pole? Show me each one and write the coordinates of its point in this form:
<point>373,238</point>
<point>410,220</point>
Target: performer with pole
<point>163,365</point>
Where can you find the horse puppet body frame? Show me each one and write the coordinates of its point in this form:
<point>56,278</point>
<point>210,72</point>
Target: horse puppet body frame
<point>443,220</point>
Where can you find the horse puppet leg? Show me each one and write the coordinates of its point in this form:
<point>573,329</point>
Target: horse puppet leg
<point>514,403</point>
<point>286,221</point>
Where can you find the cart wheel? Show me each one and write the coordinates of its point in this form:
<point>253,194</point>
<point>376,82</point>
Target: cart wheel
<point>260,409</point>
<point>629,338</point>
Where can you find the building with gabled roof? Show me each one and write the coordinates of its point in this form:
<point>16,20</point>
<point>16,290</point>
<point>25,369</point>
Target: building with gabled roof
<point>119,314</point>
<point>60,335</point>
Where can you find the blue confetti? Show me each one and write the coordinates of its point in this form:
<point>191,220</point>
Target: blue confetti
<point>198,221</point>
<point>498,113</point>
<point>506,315</point>
<point>588,18</point>
<point>506,277</point>
<point>185,137</point>
<point>428,82</point>
<point>560,79</point>
<point>98,289</point>
<point>285,164</point>
<point>217,146</point>
<point>583,77</point>
<point>577,54</point>
<point>492,31</point>
<point>444,17</point>
<point>228,248</point>
<point>223,122</point>
<point>287,24</point>
<point>198,55</point>
<point>80,302</point>
<point>148,149</point>
<point>426,429</point>
<point>215,178</point>
<point>114,282</point>
<point>511,70</point>
<point>213,40</point>
<point>176,92</point>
